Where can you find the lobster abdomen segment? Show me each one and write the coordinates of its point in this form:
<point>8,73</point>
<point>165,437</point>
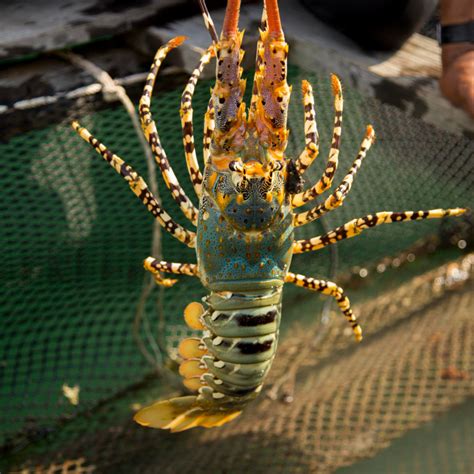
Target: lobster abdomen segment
<point>241,337</point>
<point>242,323</point>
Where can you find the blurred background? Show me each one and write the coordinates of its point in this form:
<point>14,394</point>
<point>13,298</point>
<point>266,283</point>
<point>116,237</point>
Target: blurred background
<point>86,339</point>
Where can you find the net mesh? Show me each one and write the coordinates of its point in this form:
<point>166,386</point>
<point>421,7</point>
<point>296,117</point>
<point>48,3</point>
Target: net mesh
<point>74,239</point>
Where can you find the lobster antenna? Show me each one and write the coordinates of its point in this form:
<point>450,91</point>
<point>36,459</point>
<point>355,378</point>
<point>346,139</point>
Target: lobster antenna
<point>208,22</point>
<point>231,20</point>
<point>274,24</point>
<point>264,20</point>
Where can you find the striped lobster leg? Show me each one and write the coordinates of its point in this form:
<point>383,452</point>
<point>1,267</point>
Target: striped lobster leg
<point>336,199</point>
<point>328,288</point>
<point>357,226</point>
<point>151,133</point>
<point>209,122</point>
<point>311,149</point>
<point>155,266</point>
<point>209,24</point>
<point>186,114</point>
<point>326,180</point>
<point>139,187</point>
<point>209,126</point>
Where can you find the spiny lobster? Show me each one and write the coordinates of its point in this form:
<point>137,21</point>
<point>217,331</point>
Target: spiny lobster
<point>248,195</point>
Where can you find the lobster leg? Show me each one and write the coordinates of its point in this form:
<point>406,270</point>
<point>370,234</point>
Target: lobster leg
<point>328,288</point>
<point>311,150</point>
<point>209,119</point>
<point>139,187</point>
<point>356,226</point>
<point>155,266</point>
<point>151,134</point>
<point>186,113</point>
<point>337,197</point>
<point>209,125</point>
<point>326,180</point>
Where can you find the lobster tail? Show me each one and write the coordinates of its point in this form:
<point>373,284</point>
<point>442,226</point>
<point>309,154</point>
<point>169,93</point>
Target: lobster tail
<point>180,414</point>
<point>227,365</point>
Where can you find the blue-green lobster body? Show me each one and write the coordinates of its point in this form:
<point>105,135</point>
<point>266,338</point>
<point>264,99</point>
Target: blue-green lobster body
<point>244,267</point>
<point>234,260</point>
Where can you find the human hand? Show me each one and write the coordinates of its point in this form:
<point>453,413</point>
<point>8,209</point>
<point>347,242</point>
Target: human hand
<point>457,80</point>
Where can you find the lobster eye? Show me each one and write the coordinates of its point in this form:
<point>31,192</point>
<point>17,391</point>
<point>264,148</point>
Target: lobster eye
<point>236,166</point>
<point>277,165</point>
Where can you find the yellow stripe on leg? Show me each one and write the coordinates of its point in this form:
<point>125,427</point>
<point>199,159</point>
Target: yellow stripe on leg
<point>209,127</point>
<point>311,150</point>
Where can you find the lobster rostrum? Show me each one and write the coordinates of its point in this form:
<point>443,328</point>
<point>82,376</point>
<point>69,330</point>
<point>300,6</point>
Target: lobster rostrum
<point>248,194</point>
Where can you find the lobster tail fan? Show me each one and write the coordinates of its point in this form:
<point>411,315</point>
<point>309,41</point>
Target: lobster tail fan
<point>211,420</point>
<point>180,414</point>
<point>162,413</point>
